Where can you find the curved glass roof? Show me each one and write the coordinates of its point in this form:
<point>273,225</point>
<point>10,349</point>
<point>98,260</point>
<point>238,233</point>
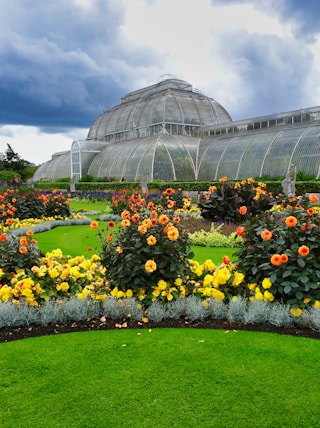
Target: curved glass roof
<point>57,167</point>
<point>257,153</point>
<point>144,112</point>
<point>158,156</point>
<point>169,131</point>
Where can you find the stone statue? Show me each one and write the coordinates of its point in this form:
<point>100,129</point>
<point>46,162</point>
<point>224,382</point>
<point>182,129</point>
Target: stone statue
<point>288,184</point>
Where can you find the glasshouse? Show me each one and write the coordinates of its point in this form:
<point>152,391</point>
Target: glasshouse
<point>171,131</point>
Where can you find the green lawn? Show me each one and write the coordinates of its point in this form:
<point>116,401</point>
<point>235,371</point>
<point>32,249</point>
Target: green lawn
<point>161,378</point>
<point>77,240</point>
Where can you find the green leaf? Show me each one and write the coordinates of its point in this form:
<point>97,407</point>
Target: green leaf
<point>287,273</point>
<point>273,277</point>
<point>301,262</point>
<point>287,289</point>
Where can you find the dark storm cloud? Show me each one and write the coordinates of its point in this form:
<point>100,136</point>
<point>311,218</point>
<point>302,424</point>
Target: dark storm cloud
<point>277,68</point>
<point>62,64</point>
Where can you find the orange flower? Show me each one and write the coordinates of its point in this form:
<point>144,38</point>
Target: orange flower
<point>29,232</point>
<point>142,229</point>
<point>250,180</point>
<point>109,237</point>
<point>125,223</point>
<point>23,249</point>
<point>223,179</point>
<point>176,220</point>
<point>111,224</point>
<point>276,260</point>
<point>154,222</point>
<point>3,237</point>
<point>135,218</point>
<point>313,198</point>
<point>225,260</point>
<point>310,211</point>
<point>303,250</point>
<point>303,228</point>
<point>153,214</point>
<point>291,221</point>
<point>135,198</point>
<point>173,233</point>
<point>284,258</point>
<point>150,266</point>
<point>266,235</point>
<point>171,204</point>
<point>151,240</point>
<point>94,225</point>
<point>119,249</point>
<point>9,221</point>
<point>169,191</point>
<point>125,215</point>
<point>150,206</point>
<point>147,223</point>
<point>23,241</point>
<point>240,231</point>
<point>163,219</point>
<point>243,210</point>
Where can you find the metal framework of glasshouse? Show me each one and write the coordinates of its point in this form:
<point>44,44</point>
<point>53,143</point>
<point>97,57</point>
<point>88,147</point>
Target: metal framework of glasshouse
<point>170,131</point>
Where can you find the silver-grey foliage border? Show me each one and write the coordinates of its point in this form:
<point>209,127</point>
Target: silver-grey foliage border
<point>74,309</point>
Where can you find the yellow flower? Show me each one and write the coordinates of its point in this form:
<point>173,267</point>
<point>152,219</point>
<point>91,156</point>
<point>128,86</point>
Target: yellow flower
<point>237,279</point>
<point>217,294</point>
<point>316,304</point>
<point>64,286</point>
<point>178,281</point>
<point>151,240</point>
<point>296,312</point>
<point>142,229</point>
<point>53,273</point>
<point>129,293</point>
<point>125,223</point>
<point>150,266</point>
<point>173,233</point>
<point>252,286</point>
<point>266,283</point>
<point>269,297</point>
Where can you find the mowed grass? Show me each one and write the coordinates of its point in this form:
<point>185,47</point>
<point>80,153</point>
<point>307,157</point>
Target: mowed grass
<point>160,378</point>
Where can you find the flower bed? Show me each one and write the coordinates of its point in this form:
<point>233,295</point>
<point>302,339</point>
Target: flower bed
<point>147,264</point>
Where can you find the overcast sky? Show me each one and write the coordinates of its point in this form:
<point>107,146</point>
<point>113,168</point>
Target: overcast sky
<point>63,62</point>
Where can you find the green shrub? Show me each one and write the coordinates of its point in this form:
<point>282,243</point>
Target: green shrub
<point>214,238</point>
<point>280,257</point>
<point>17,253</point>
<point>148,248</point>
<point>234,202</point>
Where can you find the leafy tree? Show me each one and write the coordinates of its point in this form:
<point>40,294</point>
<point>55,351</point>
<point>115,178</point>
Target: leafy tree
<point>12,162</point>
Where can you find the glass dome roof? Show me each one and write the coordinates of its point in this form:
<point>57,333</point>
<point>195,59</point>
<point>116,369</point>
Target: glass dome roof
<point>171,103</point>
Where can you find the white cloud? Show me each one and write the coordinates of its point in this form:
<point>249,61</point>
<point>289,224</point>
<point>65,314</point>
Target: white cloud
<point>35,146</point>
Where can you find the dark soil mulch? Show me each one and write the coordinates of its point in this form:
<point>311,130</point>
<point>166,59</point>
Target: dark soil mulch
<point>8,334</point>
